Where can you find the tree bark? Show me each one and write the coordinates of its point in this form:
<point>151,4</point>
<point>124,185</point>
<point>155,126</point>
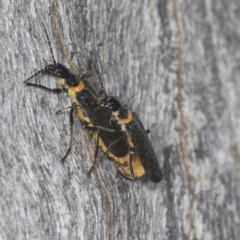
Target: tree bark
<point>175,63</point>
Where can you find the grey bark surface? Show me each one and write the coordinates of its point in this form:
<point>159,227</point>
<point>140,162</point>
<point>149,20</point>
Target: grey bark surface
<point>175,63</point>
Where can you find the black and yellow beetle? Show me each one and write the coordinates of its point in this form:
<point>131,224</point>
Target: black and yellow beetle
<point>143,158</point>
<point>84,98</point>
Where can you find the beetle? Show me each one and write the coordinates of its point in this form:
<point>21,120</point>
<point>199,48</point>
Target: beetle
<point>137,138</point>
<point>84,98</point>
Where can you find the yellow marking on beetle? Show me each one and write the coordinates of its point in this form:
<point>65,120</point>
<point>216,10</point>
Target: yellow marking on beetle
<point>63,83</point>
<point>137,167</point>
<point>125,120</point>
<point>126,171</point>
<point>118,161</point>
<point>77,89</point>
<point>72,90</point>
<point>82,116</point>
<point>129,141</point>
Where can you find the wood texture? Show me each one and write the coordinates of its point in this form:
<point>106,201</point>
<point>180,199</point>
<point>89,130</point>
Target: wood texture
<point>175,63</point>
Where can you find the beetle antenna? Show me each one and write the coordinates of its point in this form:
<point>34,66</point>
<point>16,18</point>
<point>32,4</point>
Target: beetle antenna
<point>46,34</point>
